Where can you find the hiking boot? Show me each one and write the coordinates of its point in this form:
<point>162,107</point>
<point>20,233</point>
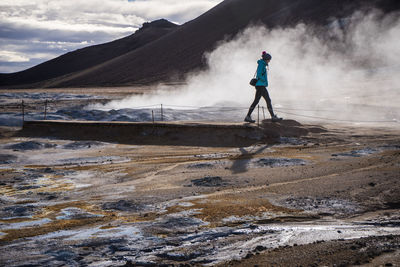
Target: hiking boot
<point>248,119</point>
<point>275,118</point>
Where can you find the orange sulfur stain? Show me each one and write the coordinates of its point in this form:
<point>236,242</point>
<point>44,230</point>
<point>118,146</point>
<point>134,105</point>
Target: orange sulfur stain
<point>215,208</point>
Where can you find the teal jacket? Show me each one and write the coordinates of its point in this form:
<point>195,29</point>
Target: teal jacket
<point>262,73</point>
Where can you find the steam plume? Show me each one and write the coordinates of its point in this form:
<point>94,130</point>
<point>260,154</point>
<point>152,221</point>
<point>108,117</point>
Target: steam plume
<point>349,67</point>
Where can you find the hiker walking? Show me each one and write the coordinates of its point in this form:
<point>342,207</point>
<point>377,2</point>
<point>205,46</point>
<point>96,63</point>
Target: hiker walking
<point>261,88</point>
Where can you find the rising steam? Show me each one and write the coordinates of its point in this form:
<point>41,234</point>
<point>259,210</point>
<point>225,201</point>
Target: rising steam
<point>349,67</point>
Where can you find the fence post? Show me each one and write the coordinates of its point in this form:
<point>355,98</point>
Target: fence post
<point>45,109</point>
<point>23,112</point>
<point>162,116</point>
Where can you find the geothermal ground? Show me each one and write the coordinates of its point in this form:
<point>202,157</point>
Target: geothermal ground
<point>330,197</point>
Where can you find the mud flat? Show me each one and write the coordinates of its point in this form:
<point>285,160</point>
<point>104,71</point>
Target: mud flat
<point>312,196</point>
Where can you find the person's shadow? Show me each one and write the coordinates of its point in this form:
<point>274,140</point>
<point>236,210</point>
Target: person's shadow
<point>241,162</point>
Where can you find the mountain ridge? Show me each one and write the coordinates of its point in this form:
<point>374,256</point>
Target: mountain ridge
<point>87,57</point>
<point>173,55</point>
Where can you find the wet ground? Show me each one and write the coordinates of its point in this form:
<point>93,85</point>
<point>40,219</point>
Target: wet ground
<point>328,198</point>
<point>89,105</point>
<point>91,203</point>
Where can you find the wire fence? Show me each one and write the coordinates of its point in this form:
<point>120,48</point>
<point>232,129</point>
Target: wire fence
<point>158,111</point>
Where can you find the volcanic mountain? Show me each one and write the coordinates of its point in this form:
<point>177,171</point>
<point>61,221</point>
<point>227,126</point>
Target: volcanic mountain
<point>162,51</point>
<point>91,56</point>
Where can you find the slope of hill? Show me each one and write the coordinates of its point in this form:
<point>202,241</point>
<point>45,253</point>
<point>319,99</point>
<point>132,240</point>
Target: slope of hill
<point>173,55</point>
<point>90,56</point>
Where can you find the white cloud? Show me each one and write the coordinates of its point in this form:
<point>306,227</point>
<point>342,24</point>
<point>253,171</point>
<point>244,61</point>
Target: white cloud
<point>179,11</point>
<point>82,22</point>
<point>11,56</point>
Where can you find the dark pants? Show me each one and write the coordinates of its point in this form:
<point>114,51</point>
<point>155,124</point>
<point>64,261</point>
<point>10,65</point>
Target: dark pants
<point>261,91</point>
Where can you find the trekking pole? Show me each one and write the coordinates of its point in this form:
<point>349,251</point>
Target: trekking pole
<point>45,109</point>
<point>152,116</point>
<point>263,112</point>
<point>23,112</point>
<point>258,116</point>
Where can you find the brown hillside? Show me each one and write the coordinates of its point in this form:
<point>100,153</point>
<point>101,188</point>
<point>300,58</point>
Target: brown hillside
<point>181,51</point>
<point>89,56</point>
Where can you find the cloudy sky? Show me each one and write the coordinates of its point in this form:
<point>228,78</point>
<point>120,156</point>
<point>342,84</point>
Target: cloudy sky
<point>34,31</point>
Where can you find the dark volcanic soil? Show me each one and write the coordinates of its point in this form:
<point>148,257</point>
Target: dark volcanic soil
<point>329,198</point>
<point>341,252</point>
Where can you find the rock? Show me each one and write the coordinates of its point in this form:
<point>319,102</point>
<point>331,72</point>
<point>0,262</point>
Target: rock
<point>7,159</point>
<point>209,181</point>
<point>260,248</point>
<point>29,145</point>
<point>123,205</point>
